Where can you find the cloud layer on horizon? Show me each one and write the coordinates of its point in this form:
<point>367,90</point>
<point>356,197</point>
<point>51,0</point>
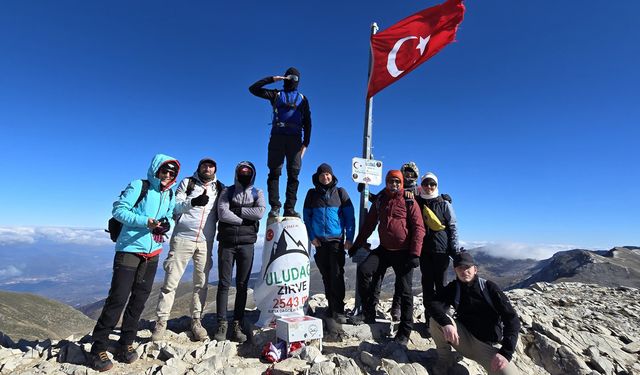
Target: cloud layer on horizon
<point>517,250</point>
<point>57,235</point>
<point>97,237</point>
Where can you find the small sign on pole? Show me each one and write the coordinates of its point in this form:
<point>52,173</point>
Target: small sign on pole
<point>367,171</point>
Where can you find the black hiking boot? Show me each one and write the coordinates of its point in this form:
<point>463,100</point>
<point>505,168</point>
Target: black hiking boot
<point>127,354</point>
<point>100,361</point>
<point>291,213</point>
<point>221,331</point>
<point>236,334</point>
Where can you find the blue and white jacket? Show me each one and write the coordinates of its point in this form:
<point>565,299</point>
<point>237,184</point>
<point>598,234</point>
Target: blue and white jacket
<point>159,202</point>
<point>328,212</point>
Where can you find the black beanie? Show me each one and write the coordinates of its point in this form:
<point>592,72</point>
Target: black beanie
<point>324,168</point>
<point>290,85</point>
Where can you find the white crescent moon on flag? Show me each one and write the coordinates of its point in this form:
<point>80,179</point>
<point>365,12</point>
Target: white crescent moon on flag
<point>391,59</point>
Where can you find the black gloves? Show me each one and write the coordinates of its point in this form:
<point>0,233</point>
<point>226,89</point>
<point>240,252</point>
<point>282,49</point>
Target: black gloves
<point>163,227</point>
<point>236,210</point>
<point>413,262</point>
<point>200,200</point>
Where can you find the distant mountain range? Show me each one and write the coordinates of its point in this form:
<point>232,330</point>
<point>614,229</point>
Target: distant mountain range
<point>617,267</point>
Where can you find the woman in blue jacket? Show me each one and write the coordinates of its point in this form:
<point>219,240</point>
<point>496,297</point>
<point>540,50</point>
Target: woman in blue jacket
<point>138,249</point>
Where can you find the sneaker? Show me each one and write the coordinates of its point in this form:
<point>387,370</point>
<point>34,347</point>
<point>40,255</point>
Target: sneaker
<point>291,213</point>
<point>159,330</point>
<point>275,212</point>
<point>127,354</point>
<point>221,331</point>
<point>101,362</point>
<point>199,333</point>
<point>237,335</point>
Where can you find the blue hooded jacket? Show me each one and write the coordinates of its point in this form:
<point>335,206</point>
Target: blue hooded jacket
<point>328,212</point>
<point>135,237</point>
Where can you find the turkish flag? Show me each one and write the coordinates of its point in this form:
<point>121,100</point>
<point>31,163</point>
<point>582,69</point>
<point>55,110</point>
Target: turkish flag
<point>402,47</point>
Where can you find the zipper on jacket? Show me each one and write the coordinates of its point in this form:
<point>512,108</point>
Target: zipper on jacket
<point>155,217</point>
<point>201,217</point>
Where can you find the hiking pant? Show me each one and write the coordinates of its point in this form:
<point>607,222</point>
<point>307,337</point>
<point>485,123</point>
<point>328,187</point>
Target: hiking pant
<point>373,269</point>
<point>242,255</point>
<point>468,346</point>
<point>132,278</point>
<point>281,147</point>
<point>181,251</point>
<point>434,269</point>
<point>330,261</point>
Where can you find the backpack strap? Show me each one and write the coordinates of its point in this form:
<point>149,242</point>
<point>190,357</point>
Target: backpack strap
<point>485,293</point>
<point>219,186</point>
<point>143,192</point>
<point>190,186</point>
<point>483,289</point>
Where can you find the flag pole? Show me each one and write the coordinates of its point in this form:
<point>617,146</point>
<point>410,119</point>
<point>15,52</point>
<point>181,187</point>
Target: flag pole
<point>366,139</point>
<point>366,154</point>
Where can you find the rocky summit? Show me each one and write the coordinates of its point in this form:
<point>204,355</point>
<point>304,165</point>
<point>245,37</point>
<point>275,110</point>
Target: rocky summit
<point>567,328</point>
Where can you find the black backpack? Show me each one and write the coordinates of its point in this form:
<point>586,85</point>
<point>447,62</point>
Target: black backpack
<point>114,226</point>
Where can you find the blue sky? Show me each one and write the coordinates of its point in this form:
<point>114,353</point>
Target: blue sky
<point>530,119</point>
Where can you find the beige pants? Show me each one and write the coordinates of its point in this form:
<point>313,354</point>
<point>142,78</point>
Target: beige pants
<point>468,346</point>
<point>181,251</point>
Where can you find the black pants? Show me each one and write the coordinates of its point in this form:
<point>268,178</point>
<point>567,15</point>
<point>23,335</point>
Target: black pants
<point>132,278</point>
<point>369,273</point>
<point>281,147</point>
<point>330,260</point>
<point>242,255</point>
<point>434,268</point>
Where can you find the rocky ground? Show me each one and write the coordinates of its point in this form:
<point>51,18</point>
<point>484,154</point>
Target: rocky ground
<point>568,328</point>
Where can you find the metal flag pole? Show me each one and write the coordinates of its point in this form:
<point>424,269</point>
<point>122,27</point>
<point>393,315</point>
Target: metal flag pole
<point>366,154</point>
<point>366,138</point>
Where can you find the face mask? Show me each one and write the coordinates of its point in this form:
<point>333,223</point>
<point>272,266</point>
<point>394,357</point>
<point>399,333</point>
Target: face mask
<point>244,179</point>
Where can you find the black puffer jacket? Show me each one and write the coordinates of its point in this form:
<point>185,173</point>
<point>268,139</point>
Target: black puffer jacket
<point>443,241</point>
<point>240,209</point>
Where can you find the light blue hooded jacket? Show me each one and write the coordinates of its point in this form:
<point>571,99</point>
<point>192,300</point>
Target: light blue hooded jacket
<point>135,237</point>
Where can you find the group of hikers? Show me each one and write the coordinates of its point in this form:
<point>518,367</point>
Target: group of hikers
<point>416,226</point>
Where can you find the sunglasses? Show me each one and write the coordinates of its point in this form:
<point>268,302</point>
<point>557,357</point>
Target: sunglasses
<point>171,173</point>
<point>395,181</point>
<point>429,183</point>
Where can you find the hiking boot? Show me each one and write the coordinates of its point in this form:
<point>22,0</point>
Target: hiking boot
<point>199,333</point>
<point>127,354</point>
<point>100,362</point>
<point>401,340</point>
<point>291,213</point>
<point>275,212</point>
<point>237,334</point>
<point>395,315</point>
<point>159,330</point>
<point>221,331</point>
<point>340,318</point>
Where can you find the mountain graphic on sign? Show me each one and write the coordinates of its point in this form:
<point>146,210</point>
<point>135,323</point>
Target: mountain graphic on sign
<point>286,244</point>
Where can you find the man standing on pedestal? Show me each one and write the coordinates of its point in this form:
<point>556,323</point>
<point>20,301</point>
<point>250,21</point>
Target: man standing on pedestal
<point>290,136</point>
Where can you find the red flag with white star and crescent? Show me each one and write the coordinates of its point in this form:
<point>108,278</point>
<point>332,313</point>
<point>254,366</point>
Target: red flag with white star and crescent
<point>402,47</point>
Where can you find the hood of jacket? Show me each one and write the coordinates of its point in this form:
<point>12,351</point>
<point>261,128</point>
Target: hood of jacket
<point>253,177</point>
<point>157,162</point>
